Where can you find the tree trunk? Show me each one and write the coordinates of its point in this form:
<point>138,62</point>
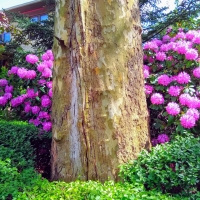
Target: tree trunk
<point>100,117</point>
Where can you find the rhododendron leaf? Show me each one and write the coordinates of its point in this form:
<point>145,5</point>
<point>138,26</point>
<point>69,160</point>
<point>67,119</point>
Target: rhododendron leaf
<point>35,89</point>
<point>170,120</point>
<point>42,89</point>
<point>165,114</point>
<point>37,98</point>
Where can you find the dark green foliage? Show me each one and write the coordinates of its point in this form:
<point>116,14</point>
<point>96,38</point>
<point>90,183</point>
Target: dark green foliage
<point>15,143</point>
<point>173,167</point>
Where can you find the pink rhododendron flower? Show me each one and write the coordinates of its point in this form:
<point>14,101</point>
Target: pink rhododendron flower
<point>49,63</point>
<point>45,102</point>
<point>180,35</point>
<point>184,99</point>
<point>9,89</point>
<point>174,90</point>
<point>196,39</point>
<point>148,89</point>
<point>173,108</point>
<point>35,109</point>
<point>41,67</point>
<point>49,84</point>
<point>22,72</point>
<point>36,122</point>
<point>162,138</point>
<point>191,54</point>
<point>44,115</point>
<point>16,101</point>
<point>31,74</point>
<point>45,56</point>
<point>193,112</point>
<point>193,102</point>
<point>8,95</point>
<point>47,126</point>
<point>146,73</point>
<point>42,82</point>
<point>196,72</point>
<point>183,78</point>
<point>166,38</point>
<point>47,73</point>
<point>187,121</point>
<point>3,82</point>
<point>154,142</point>
<point>31,93</point>
<point>30,58</point>
<point>13,70</point>
<point>151,46</point>
<point>161,56</point>
<point>50,93</point>
<point>182,47</point>
<point>164,80</point>
<point>157,98</point>
<point>3,100</point>
<point>27,108</point>
<point>190,34</point>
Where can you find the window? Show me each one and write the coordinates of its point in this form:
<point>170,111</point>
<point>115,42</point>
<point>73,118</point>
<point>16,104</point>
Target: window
<point>34,19</point>
<point>43,17</point>
<point>39,18</point>
<point>5,37</point>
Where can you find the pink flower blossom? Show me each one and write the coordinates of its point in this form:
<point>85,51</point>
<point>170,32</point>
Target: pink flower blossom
<point>151,46</point>
<point>196,72</point>
<point>47,73</point>
<point>31,74</point>
<point>183,78</point>
<point>146,73</point>
<point>8,95</point>
<point>164,80</point>
<point>184,99</point>
<point>16,101</point>
<point>31,93</point>
<point>13,70</point>
<point>47,126</point>
<point>187,121</point>
<point>49,63</point>
<point>45,102</point>
<point>22,72</point>
<point>180,35</point>
<point>196,39</point>
<point>50,93</point>
<point>193,112</point>
<point>148,89</point>
<point>49,84</point>
<point>166,38</point>
<point>36,122</point>
<point>44,115</point>
<point>161,56</point>
<point>173,108</point>
<point>191,54</point>
<point>45,56</point>
<point>3,100</point>
<point>9,89</point>
<point>193,102</point>
<point>182,47</point>
<point>154,142</point>
<point>30,58</point>
<point>42,82</point>
<point>27,108</point>
<point>3,82</point>
<point>174,90</point>
<point>35,109</point>
<point>162,138</point>
<point>190,34</point>
<point>157,98</point>
<point>41,67</point>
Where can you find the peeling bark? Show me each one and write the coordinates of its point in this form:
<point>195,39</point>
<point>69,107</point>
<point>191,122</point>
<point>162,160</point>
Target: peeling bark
<point>100,117</point>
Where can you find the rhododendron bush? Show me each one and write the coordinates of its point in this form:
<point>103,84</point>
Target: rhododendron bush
<point>28,92</point>
<point>172,77</point>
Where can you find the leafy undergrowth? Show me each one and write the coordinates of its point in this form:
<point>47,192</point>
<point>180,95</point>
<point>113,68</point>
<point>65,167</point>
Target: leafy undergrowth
<point>29,185</point>
<point>24,171</point>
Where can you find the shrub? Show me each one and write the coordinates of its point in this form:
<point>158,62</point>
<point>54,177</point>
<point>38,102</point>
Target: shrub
<point>172,72</point>
<point>15,143</point>
<point>172,167</point>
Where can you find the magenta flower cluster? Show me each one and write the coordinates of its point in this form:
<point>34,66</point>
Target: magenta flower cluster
<point>172,76</point>
<point>161,139</point>
<point>36,101</point>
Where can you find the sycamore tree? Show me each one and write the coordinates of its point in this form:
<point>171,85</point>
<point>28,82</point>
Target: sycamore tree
<point>99,112</point>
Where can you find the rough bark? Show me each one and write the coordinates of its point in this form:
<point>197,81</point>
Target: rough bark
<point>100,117</point>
